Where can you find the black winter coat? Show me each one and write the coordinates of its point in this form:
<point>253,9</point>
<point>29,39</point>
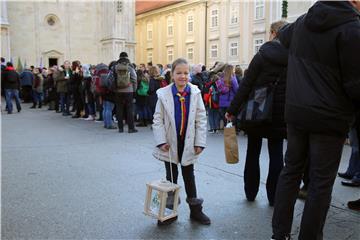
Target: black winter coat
<point>11,79</point>
<point>154,85</point>
<point>323,87</point>
<point>76,82</point>
<point>267,67</point>
<point>198,81</point>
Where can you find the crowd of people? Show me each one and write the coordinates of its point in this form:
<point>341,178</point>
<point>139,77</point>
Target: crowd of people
<point>89,91</point>
<point>314,103</point>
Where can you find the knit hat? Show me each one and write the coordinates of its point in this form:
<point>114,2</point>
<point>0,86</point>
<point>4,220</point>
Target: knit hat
<point>123,55</point>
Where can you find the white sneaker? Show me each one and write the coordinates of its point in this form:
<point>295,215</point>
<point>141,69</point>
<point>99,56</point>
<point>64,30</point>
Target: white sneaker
<point>114,119</point>
<point>90,118</point>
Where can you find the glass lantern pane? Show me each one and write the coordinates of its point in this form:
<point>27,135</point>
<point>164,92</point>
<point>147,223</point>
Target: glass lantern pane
<point>168,212</point>
<point>155,202</point>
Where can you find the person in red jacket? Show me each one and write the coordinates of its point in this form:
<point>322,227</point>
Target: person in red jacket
<point>11,84</point>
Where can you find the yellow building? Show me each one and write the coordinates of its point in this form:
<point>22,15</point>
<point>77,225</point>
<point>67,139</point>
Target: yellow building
<point>230,31</point>
<point>173,31</point>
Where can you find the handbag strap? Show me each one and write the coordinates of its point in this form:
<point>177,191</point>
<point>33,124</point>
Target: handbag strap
<point>280,75</point>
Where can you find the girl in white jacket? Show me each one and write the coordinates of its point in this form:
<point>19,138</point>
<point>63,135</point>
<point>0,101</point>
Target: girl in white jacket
<point>180,133</point>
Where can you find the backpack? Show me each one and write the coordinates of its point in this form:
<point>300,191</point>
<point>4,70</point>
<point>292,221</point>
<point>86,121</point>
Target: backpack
<point>206,88</point>
<point>211,98</point>
<point>163,83</point>
<point>100,83</point>
<point>121,75</point>
<point>143,88</point>
<point>214,94</point>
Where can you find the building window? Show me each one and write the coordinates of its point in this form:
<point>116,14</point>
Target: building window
<point>149,57</point>
<point>170,55</point>
<point>170,27</point>
<point>149,30</point>
<point>257,44</point>
<point>119,6</point>
<point>234,16</point>
<point>190,23</point>
<point>214,18</point>
<point>214,51</point>
<point>190,54</point>
<point>259,9</point>
<point>233,49</point>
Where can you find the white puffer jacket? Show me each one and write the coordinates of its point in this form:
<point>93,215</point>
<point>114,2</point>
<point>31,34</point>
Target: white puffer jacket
<point>164,127</point>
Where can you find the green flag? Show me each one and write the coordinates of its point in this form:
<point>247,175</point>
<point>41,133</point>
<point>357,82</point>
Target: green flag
<point>19,67</point>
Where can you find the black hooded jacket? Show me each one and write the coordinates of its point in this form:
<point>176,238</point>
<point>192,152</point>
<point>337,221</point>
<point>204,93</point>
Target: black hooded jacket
<point>323,79</point>
<point>267,67</point>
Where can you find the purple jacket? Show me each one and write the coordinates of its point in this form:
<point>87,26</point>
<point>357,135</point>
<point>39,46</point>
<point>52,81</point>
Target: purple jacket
<point>226,94</point>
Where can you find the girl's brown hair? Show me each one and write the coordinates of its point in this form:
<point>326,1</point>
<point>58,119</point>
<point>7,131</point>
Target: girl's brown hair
<point>178,62</point>
<point>228,73</point>
<point>154,71</point>
<point>276,26</point>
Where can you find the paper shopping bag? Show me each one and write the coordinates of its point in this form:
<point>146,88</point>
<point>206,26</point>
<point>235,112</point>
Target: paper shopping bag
<point>230,144</point>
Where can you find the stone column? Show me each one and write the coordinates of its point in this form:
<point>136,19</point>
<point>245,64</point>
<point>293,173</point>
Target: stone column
<point>118,35</point>
<point>5,33</point>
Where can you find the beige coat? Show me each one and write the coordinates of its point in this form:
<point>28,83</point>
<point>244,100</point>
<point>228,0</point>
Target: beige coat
<point>164,127</point>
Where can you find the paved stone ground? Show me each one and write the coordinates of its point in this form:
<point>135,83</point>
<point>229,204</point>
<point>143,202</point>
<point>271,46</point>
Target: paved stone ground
<point>71,179</point>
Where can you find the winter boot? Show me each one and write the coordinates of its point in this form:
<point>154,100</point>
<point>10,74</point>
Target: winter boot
<point>196,212</point>
<point>34,105</point>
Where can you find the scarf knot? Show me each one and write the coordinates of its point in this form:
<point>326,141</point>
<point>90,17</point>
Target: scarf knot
<point>182,96</point>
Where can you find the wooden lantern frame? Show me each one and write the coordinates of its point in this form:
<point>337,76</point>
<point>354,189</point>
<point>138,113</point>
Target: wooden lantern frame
<point>163,187</point>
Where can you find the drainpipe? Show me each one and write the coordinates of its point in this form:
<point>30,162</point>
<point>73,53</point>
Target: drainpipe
<point>206,30</point>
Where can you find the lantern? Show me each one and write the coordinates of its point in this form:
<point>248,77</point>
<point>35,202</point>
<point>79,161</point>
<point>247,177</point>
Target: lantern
<point>157,197</point>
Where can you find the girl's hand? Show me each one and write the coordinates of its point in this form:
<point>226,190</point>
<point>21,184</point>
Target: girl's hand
<point>165,147</point>
<point>198,150</point>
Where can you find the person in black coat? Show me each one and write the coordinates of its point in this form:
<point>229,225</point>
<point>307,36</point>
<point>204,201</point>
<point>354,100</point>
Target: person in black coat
<point>11,84</point>
<point>26,82</point>
<point>142,99</point>
<point>154,85</point>
<point>267,67</point>
<point>322,95</point>
<point>76,87</point>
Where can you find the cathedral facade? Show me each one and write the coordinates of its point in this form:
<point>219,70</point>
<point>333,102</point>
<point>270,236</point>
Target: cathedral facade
<point>48,33</point>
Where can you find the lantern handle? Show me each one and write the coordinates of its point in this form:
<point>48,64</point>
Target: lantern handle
<point>171,172</point>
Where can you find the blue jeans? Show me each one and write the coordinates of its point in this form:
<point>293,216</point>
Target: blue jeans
<point>9,94</point>
<point>90,109</point>
<point>107,113</point>
<point>37,97</point>
<point>65,102</point>
<point>222,112</point>
<point>144,112</point>
<point>214,119</point>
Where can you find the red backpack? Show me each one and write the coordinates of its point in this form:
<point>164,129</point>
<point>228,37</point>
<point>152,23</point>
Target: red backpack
<point>163,83</point>
<point>99,81</point>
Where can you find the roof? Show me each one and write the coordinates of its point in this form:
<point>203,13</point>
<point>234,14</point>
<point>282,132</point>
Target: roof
<point>148,5</point>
